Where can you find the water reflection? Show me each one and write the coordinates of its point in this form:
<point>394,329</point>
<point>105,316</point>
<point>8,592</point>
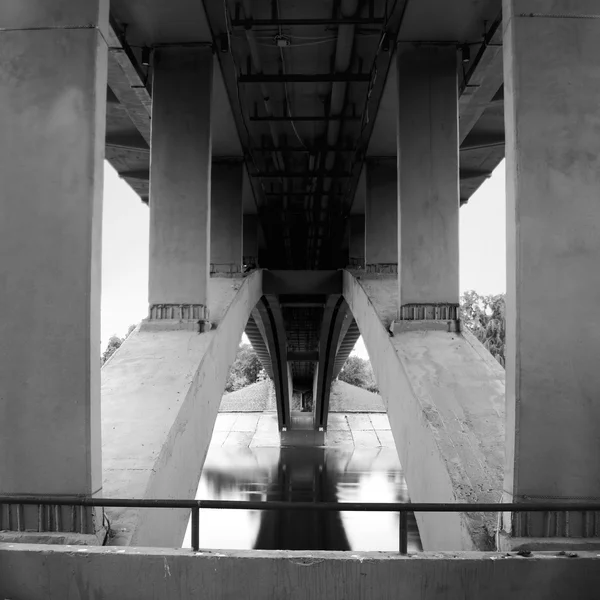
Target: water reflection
<point>302,474</point>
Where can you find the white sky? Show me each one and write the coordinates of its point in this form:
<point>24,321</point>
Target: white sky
<point>125,250</point>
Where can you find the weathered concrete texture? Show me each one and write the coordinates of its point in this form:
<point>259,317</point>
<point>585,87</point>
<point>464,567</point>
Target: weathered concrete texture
<point>226,217</point>
<point>445,404</point>
<point>180,170</point>
<point>63,573</point>
<point>52,118</point>
<point>160,397</point>
<point>428,167</point>
<point>381,218</point>
<point>553,252</point>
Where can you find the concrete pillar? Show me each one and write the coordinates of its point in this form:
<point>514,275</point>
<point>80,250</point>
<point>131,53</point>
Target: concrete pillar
<point>428,190</point>
<point>357,241</point>
<point>250,241</point>
<point>553,257</point>
<point>180,175</point>
<point>226,217</point>
<point>381,219</point>
<point>53,77</point>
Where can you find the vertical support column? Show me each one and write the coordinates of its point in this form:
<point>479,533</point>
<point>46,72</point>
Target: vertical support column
<point>180,171</point>
<point>428,188</point>
<point>53,77</point>
<point>381,219</point>
<point>357,241</point>
<point>553,275</point>
<point>250,242</point>
<point>226,218</point>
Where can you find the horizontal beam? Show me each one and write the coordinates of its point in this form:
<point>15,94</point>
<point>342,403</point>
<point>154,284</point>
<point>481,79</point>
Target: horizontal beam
<point>305,118</point>
<point>309,149</point>
<point>141,174</point>
<point>304,78</point>
<point>305,175</point>
<point>250,23</point>
<point>307,356</point>
<point>302,194</point>
<point>481,141</point>
<point>473,174</point>
<point>302,282</point>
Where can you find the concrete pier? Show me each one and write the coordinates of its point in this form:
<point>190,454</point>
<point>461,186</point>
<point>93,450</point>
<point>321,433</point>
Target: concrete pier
<point>553,253</point>
<point>180,180</point>
<point>428,176</point>
<point>357,241</point>
<point>226,217</point>
<point>250,240</point>
<point>53,74</point>
<point>381,218</point>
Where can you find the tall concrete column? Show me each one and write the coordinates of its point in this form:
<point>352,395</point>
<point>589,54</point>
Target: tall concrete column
<point>180,178</point>
<point>357,241</point>
<point>381,218</point>
<point>250,241</point>
<point>53,77</point>
<point>428,190</point>
<point>553,257</point>
<point>226,217</point>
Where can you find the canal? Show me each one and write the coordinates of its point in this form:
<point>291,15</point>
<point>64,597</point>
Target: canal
<point>245,469</point>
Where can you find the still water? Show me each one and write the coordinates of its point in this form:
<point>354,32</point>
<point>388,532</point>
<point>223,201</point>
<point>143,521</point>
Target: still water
<point>309,475</point>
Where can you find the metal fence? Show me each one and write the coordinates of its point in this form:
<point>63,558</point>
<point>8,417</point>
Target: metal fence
<point>195,505</point>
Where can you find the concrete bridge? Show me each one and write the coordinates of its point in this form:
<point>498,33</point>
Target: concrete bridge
<point>304,166</point>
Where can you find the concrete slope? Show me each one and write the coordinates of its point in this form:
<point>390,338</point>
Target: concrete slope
<point>350,398</point>
<point>445,400</point>
<point>160,397</point>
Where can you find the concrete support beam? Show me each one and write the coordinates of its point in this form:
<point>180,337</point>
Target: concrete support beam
<point>180,182</point>
<point>428,178</point>
<point>53,76</point>
<point>250,241</point>
<point>381,219</point>
<point>553,253</point>
<point>357,241</point>
<point>226,218</point>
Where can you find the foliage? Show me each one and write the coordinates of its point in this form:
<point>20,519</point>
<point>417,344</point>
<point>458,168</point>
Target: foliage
<point>357,371</point>
<point>114,343</point>
<point>246,369</point>
<point>485,317</point>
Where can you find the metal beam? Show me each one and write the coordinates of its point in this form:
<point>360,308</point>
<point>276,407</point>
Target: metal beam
<point>304,78</point>
<point>141,174</point>
<point>302,194</point>
<point>473,174</point>
<point>307,356</point>
<point>479,141</point>
<point>306,118</point>
<point>250,23</point>
<point>320,173</point>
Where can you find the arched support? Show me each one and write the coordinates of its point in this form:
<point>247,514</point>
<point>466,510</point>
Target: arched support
<point>335,324</point>
<point>270,321</point>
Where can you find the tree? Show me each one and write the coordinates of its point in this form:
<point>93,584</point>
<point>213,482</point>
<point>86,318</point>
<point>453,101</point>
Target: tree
<point>114,343</point>
<point>485,317</point>
<point>357,371</point>
<point>245,370</point>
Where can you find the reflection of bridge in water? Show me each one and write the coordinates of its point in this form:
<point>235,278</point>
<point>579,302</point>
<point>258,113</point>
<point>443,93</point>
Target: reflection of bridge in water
<point>303,475</point>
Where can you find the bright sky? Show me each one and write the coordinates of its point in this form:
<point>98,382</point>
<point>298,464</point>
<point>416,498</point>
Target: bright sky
<point>125,250</point>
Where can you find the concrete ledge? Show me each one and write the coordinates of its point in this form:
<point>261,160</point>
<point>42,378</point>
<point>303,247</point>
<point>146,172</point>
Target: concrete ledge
<point>65,573</point>
<point>507,543</point>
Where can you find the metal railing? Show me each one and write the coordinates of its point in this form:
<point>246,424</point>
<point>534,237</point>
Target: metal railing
<point>402,508</point>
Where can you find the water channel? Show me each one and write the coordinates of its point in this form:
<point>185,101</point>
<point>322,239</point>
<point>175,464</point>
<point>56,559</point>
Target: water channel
<point>337,474</point>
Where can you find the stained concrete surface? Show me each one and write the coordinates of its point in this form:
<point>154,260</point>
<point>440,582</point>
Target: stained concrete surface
<point>445,405</point>
<point>69,573</point>
<point>160,396</point>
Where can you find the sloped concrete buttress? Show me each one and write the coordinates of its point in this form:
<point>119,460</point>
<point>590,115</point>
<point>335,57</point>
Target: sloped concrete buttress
<point>180,170</point>
<point>553,257</point>
<point>444,395</point>
<point>53,77</point>
<point>160,397</point>
<point>428,183</point>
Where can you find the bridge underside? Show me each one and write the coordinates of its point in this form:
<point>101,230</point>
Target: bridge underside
<point>286,141</point>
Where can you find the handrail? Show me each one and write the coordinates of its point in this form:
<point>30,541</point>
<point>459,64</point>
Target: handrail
<point>400,507</point>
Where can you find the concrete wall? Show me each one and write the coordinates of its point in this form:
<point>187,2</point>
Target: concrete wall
<point>64,573</point>
<point>160,397</point>
<point>445,401</point>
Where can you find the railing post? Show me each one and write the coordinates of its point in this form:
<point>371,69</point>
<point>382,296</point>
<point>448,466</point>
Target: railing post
<point>196,529</point>
<point>403,531</point>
